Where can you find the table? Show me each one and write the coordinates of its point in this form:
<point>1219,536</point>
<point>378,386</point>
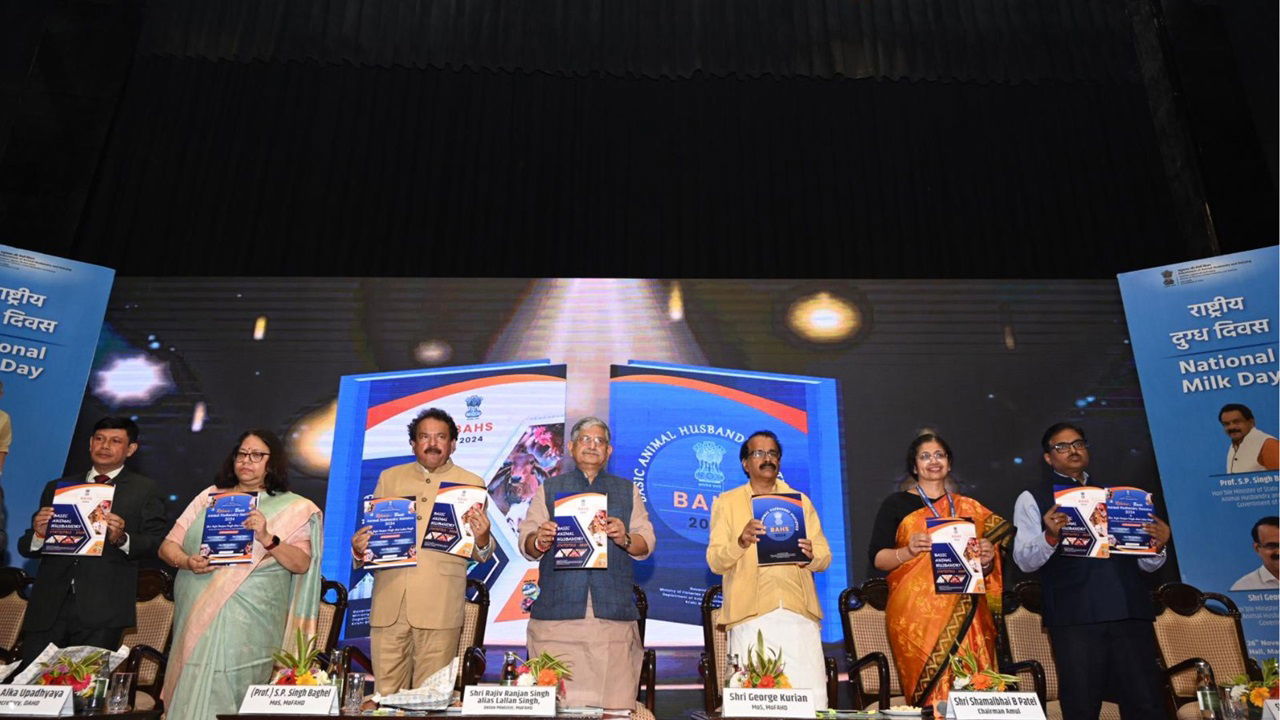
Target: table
<point>132,715</point>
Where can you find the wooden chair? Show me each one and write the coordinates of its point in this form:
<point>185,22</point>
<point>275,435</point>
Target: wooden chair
<point>329,621</point>
<point>149,639</point>
<point>649,666</point>
<point>14,583</point>
<point>715,644</point>
<point>1027,640</point>
<point>475,612</point>
<point>1194,626</point>
<point>872,677</point>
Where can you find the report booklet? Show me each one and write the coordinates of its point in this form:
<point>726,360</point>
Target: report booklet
<point>581,539</point>
<point>783,517</point>
<point>225,540</point>
<point>79,522</point>
<point>1085,534</point>
<point>446,530</point>
<point>394,524</point>
<point>1128,509</point>
<point>957,564</point>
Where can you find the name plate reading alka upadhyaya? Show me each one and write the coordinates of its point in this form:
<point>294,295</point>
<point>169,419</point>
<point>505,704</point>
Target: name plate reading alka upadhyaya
<point>37,700</point>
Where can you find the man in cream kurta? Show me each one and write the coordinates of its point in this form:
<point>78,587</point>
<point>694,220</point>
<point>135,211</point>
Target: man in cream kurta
<point>779,601</point>
<point>416,618</point>
<point>603,654</point>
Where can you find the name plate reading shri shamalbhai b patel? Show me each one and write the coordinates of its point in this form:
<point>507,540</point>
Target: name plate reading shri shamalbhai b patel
<point>767,703</point>
<point>987,705</point>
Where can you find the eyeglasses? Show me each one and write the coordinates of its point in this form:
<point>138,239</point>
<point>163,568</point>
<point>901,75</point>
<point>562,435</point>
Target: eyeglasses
<point>253,456</point>
<point>1063,448</point>
<point>936,455</point>
<point>592,440</point>
<point>757,454</point>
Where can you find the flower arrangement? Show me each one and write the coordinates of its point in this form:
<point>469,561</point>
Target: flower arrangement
<point>67,670</point>
<point>967,676</point>
<point>1253,693</point>
<point>302,666</point>
<point>764,669</point>
<point>544,670</point>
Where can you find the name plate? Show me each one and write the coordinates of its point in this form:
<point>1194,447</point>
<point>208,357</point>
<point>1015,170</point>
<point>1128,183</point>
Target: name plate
<point>536,701</point>
<point>38,700</point>
<point>290,700</point>
<point>767,703</point>
<point>987,705</point>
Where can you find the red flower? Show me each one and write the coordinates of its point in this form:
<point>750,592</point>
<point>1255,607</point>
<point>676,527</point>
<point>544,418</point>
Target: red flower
<point>523,669</point>
<point>766,681</point>
<point>80,685</point>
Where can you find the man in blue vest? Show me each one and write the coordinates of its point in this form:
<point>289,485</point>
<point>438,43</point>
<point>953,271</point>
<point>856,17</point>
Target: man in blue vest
<point>588,617</point>
<point>1098,611</point>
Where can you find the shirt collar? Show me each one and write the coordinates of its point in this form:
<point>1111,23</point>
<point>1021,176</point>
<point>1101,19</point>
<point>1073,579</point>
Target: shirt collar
<point>93,473</point>
<point>1073,480</point>
<point>448,464</point>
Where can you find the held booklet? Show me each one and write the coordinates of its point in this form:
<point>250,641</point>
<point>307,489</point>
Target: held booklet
<point>1128,509</point>
<point>957,565</point>
<point>394,524</point>
<point>79,522</point>
<point>1085,534</point>
<point>446,531</point>
<point>225,540</point>
<point>581,542</point>
<point>783,517</point>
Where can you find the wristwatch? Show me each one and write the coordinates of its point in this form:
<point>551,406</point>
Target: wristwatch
<point>275,542</point>
<point>627,544</point>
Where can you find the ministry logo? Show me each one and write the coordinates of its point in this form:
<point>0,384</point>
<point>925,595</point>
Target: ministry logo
<point>473,407</point>
<point>1168,277</point>
<point>710,454</point>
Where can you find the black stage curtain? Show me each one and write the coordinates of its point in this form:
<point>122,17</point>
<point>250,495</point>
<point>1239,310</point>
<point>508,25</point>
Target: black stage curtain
<point>302,168</point>
<point>971,40</point>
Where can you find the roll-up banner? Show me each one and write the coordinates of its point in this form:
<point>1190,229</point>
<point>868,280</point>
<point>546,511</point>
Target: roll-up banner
<point>51,312</point>
<point>510,420</point>
<point>676,434</point>
<point>1204,339</point>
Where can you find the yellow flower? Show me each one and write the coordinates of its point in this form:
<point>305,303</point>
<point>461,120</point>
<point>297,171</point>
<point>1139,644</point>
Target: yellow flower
<point>306,678</point>
<point>1259,695</point>
<point>784,682</point>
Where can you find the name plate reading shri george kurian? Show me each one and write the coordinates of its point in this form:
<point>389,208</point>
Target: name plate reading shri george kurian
<point>534,701</point>
<point>37,700</point>
<point>767,703</point>
<point>986,705</point>
<point>290,700</point>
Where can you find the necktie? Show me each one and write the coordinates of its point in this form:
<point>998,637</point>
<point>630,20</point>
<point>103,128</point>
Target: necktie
<point>104,479</point>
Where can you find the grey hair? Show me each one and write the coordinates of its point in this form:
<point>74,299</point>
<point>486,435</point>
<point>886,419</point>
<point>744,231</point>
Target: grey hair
<point>588,422</point>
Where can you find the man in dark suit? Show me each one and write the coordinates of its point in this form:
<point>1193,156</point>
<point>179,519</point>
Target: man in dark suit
<point>91,600</point>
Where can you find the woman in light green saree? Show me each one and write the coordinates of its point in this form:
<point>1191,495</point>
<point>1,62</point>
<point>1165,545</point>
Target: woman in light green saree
<point>229,619</point>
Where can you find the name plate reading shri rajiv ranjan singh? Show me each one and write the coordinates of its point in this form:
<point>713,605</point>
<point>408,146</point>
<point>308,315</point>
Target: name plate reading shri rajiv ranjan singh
<point>987,705</point>
<point>767,703</point>
<point>509,700</point>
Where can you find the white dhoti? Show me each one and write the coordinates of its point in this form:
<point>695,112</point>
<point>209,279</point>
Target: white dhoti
<point>797,638</point>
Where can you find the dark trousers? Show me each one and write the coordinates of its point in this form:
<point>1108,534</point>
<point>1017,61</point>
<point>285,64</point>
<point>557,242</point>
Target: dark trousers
<point>1111,660</point>
<point>67,630</point>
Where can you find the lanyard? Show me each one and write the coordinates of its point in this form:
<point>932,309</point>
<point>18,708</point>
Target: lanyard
<point>929,503</point>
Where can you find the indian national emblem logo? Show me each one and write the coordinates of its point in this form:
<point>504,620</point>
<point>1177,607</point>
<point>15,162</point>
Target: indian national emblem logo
<point>1168,277</point>
<point>473,407</point>
<point>709,453</point>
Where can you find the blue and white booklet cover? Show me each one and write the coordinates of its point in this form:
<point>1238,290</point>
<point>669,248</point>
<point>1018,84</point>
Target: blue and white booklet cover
<point>226,541</point>
<point>1128,510</point>
<point>1085,534</point>
<point>79,522</point>
<point>783,517</point>
<point>957,561</point>
<point>581,542</point>
<point>446,531</point>
<point>393,522</point>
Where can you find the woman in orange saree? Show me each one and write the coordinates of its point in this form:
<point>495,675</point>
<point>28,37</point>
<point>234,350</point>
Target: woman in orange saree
<point>926,628</point>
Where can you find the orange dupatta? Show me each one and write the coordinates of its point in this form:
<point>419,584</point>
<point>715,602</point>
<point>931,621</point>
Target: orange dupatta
<point>927,628</point>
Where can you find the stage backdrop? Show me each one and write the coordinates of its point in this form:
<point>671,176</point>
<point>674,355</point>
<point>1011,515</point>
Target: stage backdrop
<point>510,432</point>
<point>52,315</point>
<point>1204,335</point>
<point>676,434</point>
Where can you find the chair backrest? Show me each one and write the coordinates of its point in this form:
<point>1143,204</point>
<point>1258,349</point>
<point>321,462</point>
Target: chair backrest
<point>715,640</point>
<point>155,619</point>
<point>642,607</point>
<point>475,614</point>
<point>1024,631</point>
<point>13,605</point>
<point>329,620</point>
<point>1192,623</point>
<point>863,619</point>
